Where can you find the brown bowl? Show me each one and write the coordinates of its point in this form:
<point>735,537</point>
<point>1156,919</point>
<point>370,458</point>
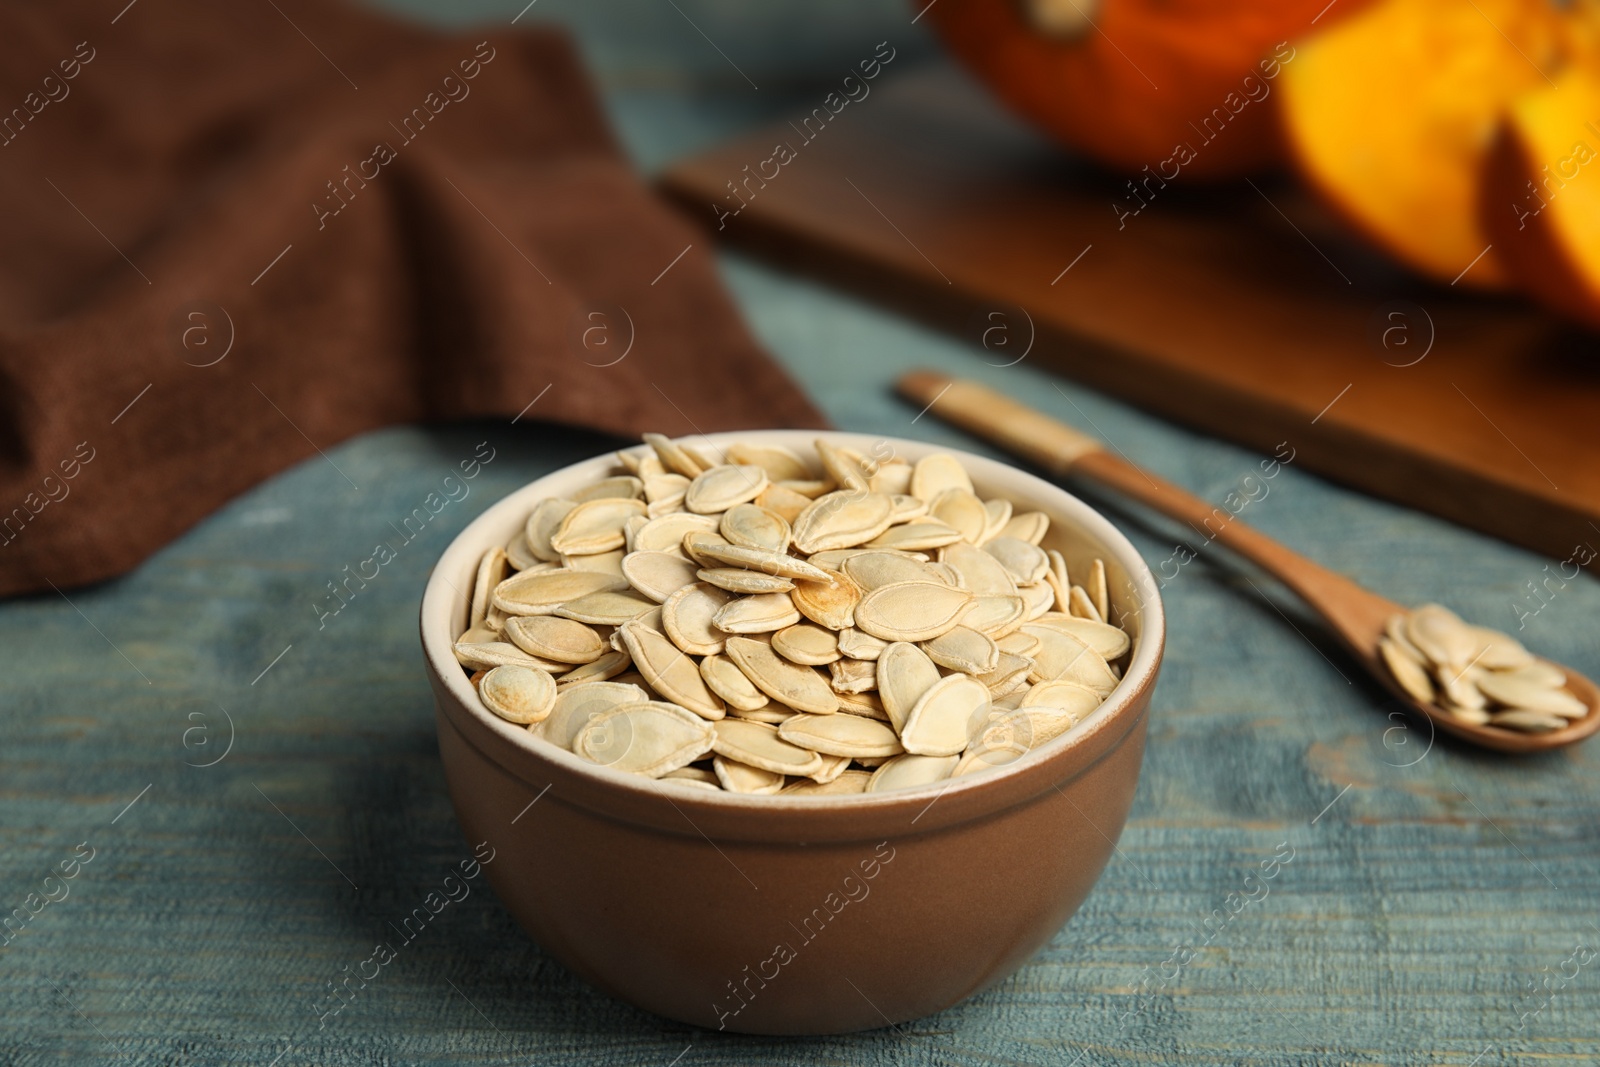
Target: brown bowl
<point>795,915</point>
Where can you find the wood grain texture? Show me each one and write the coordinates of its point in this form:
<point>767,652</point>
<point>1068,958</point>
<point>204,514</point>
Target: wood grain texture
<point>206,927</point>
<point>1245,312</point>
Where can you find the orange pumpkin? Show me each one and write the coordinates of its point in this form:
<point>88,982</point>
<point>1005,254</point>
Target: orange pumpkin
<point>1390,115</point>
<point>1136,83</point>
<point>1541,195</point>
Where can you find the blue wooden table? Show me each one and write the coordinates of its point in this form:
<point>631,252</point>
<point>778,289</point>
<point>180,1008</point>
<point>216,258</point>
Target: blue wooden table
<point>216,800</point>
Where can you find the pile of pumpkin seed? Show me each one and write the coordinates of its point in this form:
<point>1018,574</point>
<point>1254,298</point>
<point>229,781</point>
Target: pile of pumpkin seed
<point>1478,675</point>
<point>758,621</point>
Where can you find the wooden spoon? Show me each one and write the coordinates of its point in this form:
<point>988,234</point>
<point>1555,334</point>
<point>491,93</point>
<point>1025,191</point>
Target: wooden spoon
<point>1356,616</point>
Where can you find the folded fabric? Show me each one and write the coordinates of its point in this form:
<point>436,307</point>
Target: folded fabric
<point>234,234</point>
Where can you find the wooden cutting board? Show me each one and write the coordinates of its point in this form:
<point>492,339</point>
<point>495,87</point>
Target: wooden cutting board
<point>1245,312</point>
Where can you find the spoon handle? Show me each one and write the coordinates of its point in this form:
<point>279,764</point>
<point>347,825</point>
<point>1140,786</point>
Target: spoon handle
<point>1061,450</point>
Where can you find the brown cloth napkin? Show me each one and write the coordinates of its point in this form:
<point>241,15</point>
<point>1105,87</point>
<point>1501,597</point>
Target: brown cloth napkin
<point>234,234</point>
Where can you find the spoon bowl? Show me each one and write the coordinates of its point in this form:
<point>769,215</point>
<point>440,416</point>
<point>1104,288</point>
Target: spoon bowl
<point>1358,616</point>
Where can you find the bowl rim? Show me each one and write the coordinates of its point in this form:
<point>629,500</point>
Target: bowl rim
<point>636,798</point>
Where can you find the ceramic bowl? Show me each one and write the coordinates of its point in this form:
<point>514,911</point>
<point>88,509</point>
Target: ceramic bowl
<point>795,915</point>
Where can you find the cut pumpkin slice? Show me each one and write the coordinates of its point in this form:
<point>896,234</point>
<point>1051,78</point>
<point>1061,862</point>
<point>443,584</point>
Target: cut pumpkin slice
<point>1168,85</point>
<point>1541,199</point>
<point>1390,114</point>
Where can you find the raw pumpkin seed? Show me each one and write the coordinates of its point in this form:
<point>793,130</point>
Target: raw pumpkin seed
<point>605,608</point>
<point>801,688</point>
<point>686,617</point>
<point>759,614</point>
<point>738,777</point>
<point>518,694</point>
<point>657,574</point>
<point>542,593</point>
<point>830,604</point>
<point>552,637</point>
<point>574,707</point>
<point>909,771</point>
<point>937,725</point>
<point>650,737</point>
<point>723,606</point>
<point>758,745</point>
<point>751,526</point>
<point>852,675</point>
<point>595,526</point>
<point>666,534</point>
<point>669,671</point>
<point>806,643</point>
<point>934,474</point>
<point>842,519</point>
<point>911,611</point>
<point>726,680</point>
<point>1478,675</point>
<point>841,735</point>
<point>720,488</point>
<point>739,580</point>
<point>492,570</point>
